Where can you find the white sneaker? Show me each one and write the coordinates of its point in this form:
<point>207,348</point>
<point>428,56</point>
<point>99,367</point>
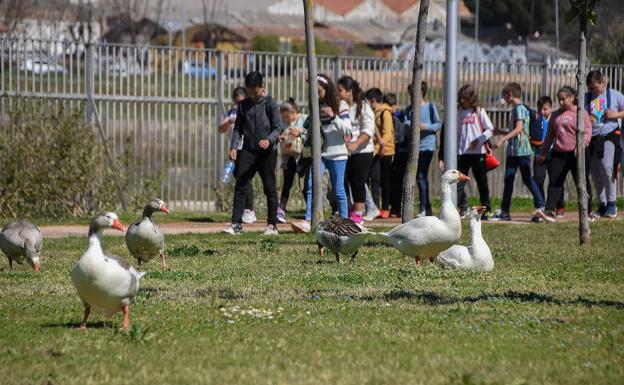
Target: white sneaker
<point>271,230</point>
<point>371,214</point>
<point>233,229</point>
<point>539,213</point>
<point>300,227</point>
<point>421,214</point>
<point>281,215</point>
<point>249,216</point>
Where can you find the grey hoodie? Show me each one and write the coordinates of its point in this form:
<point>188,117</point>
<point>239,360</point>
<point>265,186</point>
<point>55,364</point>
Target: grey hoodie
<point>256,121</point>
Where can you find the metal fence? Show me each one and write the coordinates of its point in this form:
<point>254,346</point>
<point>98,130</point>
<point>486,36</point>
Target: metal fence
<point>166,102</point>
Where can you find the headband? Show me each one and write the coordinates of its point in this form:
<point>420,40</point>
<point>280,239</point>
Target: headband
<point>321,79</point>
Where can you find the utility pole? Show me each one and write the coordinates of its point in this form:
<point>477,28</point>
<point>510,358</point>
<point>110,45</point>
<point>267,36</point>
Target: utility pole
<point>450,90</point>
<point>315,123</point>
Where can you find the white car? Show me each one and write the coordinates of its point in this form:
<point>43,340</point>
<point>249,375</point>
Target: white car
<point>40,66</point>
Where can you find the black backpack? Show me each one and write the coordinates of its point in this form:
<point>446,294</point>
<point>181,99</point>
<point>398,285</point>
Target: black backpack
<point>536,130</point>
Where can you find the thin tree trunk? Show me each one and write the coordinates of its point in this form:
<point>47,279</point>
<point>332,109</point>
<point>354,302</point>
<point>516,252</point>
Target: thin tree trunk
<point>409,180</point>
<point>315,126</point>
<point>584,232</point>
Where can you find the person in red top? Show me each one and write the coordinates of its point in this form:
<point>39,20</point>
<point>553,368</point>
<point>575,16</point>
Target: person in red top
<point>562,129</point>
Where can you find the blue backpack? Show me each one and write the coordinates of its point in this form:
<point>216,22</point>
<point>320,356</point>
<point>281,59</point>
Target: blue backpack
<point>536,129</point>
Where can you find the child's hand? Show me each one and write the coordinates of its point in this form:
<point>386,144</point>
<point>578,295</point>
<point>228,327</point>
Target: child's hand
<point>351,147</point>
<point>264,144</point>
<point>327,111</point>
<point>474,144</point>
<point>233,153</point>
<point>441,165</point>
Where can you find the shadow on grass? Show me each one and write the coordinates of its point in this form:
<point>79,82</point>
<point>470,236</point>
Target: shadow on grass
<point>432,298</point>
<point>202,220</point>
<point>318,262</point>
<point>76,325</point>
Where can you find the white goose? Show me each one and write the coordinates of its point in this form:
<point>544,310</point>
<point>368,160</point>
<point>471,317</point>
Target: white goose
<point>144,238</point>
<point>105,283</point>
<point>428,236</point>
<point>21,239</point>
<point>340,235</point>
<point>476,256</point>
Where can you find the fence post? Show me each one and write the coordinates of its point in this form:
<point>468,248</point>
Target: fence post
<point>220,110</point>
<point>545,73</point>
<point>89,84</point>
<point>337,69</point>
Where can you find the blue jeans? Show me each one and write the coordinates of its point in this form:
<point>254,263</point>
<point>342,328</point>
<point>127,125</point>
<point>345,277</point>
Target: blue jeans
<point>337,175</point>
<point>511,165</point>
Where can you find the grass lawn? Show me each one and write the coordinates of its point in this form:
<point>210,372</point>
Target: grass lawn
<point>256,310</point>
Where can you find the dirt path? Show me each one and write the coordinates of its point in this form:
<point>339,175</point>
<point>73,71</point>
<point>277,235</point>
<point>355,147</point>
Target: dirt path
<point>59,231</point>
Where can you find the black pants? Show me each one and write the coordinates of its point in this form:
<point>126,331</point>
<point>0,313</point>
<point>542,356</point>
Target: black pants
<point>247,165</point>
<point>539,176</point>
<point>560,164</point>
<point>422,171</point>
<point>399,166</point>
<point>358,168</point>
<point>476,162</point>
<point>381,180</point>
<point>290,171</point>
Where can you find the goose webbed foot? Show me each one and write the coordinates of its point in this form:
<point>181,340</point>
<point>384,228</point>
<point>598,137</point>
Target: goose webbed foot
<point>321,249</point>
<point>432,260</point>
<point>353,257</point>
<point>337,258</point>
<point>126,317</point>
<point>163,258</point>
<point>85,317</point>
<point>417,260</point>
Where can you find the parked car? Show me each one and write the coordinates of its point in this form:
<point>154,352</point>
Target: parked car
<point>198,69</point>
<point>40,66</point>
<point>123,68</point>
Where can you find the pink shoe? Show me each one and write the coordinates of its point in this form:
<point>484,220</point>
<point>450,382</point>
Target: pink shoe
<point>356,218</point>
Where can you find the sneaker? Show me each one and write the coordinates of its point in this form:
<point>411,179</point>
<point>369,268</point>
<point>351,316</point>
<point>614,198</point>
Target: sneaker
<point>611,211</point>
<point>233,229</point>
<point>383,214</point>
<point>395,214</point>
<point>463,213</point>
<point>486,216</point>
<point>300,227</point>
<point>357,218</point>
<point>501,216</point>
<point>421,214</point>
<point>249,216</point>
<point>371,214</point>
<point>541,214</point>
<point>281,215</point>
<point>536,219</point>
<point>560,212</point>
<point>271,230</point>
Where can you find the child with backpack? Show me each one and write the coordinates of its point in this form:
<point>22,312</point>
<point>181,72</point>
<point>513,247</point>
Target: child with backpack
<point>518,152</point>
<point>537,134</point>
<point>605,106</point>
<point>429,125</point>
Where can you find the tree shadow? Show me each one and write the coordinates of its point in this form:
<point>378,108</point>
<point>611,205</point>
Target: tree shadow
<point>76,325</point>
<point>318,262</point>
<point>434,299</point>
<point>201,220</point>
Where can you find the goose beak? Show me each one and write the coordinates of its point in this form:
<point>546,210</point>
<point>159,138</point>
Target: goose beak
<point>37,267</point>
<point>118,226</point>
<point>463,177</point>
<point>164,209</point>
<point>480,209</point>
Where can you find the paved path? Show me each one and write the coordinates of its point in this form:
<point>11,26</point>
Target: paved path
<point>59,231</point>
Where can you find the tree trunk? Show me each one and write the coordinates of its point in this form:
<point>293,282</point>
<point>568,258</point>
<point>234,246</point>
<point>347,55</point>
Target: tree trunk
<point>315,126</point>
<point>584,232</point>
<point>409,180</point>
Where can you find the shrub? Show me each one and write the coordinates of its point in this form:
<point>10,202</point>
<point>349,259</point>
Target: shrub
<point>54,165</point>
<point>265,43</point>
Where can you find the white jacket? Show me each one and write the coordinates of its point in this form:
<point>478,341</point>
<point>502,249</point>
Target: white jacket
<point>364,125</point>
<point>334,134</point>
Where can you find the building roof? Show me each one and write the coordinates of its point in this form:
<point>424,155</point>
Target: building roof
<point>400,6</point>
<point>340,7</point>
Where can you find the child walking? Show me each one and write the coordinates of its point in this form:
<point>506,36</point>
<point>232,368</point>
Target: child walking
<point>562,136</point>
<point>257,125</point>
<point>518,154</point>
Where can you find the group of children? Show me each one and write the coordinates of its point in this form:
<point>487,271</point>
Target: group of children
<point>366,142</point>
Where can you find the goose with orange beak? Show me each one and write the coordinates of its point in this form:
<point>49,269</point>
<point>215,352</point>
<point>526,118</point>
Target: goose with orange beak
<point>22,239</point>
<point>144,238</point>
<point>426,237</point>
<point>477,256</point>
<point>104,282</point>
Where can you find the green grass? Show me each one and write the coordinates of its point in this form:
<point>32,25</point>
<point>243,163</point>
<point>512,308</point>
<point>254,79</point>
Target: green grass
<point>251,310</point>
